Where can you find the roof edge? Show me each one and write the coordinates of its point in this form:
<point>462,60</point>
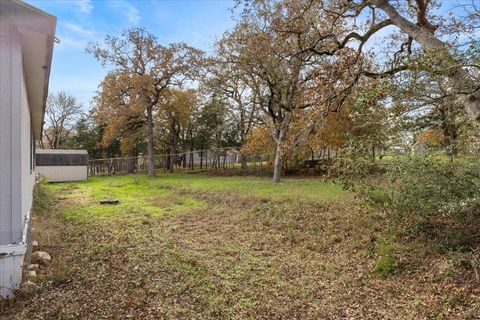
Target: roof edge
<point>35,9</point>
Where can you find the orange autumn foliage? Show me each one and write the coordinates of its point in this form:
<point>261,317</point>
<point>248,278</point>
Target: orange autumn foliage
<point>432,137</point>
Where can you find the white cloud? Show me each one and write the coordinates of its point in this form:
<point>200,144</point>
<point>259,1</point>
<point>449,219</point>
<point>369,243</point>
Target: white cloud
<point>78,29</point>
<point>85,6</point>
<point>71,43</point>
<point>74,36</point>
<point>126,8</point>
<point>133,15</point>
<point>79,6</point>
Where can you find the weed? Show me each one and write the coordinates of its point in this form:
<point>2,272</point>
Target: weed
<point>42,199</point>
<point>387,263</point>
<point>380,197</point>
<point>61,272</point>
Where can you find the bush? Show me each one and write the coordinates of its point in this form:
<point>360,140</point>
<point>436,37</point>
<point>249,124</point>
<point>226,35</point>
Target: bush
<point>41,197</point>
<point>435,199</point>
<point>438,199</point>
<point>380,197</point>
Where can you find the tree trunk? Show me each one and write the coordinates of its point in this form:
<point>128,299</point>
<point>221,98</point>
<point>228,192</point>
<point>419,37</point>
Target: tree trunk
<point>173,159</point>
<point>428,40</point>
<point>191,154</point>
<point>184,157</point>
<point>279,136</point>
<point>151,156</point>
<point>206,159</point>
<point>168,162</point>
<point>277,167</point>
<point>243,161</point>
<point>214,162</point>
<point>129,164</point>
<point>450,141</point>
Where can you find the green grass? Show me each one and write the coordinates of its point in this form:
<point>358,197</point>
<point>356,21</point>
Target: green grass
<point>195,246</point>
<point>386,264</point>
<point>141,195</point>
<point>180,227</point>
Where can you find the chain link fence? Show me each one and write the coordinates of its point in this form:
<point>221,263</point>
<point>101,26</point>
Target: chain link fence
<point>189,162</point>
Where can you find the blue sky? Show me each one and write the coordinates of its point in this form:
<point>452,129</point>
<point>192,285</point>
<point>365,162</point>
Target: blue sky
<point>195,22</point>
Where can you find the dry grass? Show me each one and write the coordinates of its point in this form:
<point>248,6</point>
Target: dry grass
<point>238,255</point>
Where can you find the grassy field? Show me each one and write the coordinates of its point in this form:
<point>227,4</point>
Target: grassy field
<point>199,247</point>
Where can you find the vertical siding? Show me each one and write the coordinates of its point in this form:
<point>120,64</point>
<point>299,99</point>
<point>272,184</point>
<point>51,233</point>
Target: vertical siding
<point>8,272</point>
<point>16,149</point>
<point>16,179</point>
<point>14,121</point>
<point>28,176</point>
<point>5,139</point>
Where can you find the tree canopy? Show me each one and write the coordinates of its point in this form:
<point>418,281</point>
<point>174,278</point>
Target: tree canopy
<point>295,79</point>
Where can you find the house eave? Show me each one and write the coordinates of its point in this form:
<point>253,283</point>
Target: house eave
<point>37,31</point>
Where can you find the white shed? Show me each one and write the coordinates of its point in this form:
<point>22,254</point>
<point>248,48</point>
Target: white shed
<point>62,165</point>
<point>26,45</point>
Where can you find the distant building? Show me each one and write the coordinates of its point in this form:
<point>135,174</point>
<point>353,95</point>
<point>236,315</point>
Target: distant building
<point>26,45</point>
<point>62,165</point>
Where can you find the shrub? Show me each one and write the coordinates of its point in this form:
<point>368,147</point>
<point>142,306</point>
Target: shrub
<point>438,199</point>
<point>41,197</point>
<point>379,196</point>
<point>435,199</point>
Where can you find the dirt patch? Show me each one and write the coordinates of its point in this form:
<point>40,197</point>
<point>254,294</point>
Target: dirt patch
<point>168,200</point>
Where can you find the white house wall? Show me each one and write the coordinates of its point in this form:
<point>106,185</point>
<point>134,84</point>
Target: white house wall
<point>11,269</point>
<point>16,178</point>
<point>28,174</point>
<point>10,55</point>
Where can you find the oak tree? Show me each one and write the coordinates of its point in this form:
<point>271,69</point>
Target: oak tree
<point>151,69</point>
